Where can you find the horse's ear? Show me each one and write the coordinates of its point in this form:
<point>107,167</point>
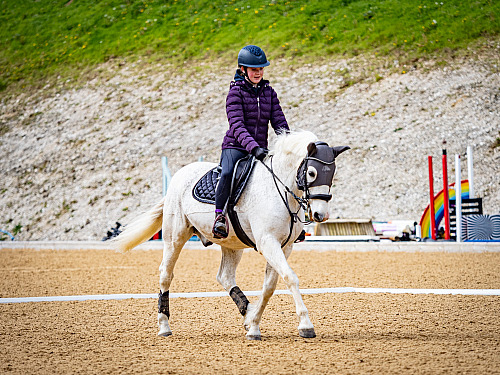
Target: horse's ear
<point>339,149</point>
<point>311,149</point>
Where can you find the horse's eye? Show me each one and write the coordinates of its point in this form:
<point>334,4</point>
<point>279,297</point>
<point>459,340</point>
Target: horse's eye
<point>311,174</point>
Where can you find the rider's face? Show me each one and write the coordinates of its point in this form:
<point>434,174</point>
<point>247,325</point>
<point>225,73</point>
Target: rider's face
<point>255,74</point>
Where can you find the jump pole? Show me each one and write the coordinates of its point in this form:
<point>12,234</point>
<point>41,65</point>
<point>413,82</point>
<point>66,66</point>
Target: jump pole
<point>446,197</point>
<point>470,171</point>
<point>166,175</point>
<point>458,197</point>
<point>431,205</point>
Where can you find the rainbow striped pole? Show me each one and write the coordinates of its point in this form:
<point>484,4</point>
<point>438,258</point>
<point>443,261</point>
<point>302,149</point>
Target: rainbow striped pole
<point>431,205</point>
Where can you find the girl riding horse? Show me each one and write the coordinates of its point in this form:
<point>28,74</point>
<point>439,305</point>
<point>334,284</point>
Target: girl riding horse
<point>250,105</point>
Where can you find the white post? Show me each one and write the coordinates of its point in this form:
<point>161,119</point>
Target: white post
<point>167,176</point>
<point>418,231</point>
<point>458,198</point>
<point>470,172</point>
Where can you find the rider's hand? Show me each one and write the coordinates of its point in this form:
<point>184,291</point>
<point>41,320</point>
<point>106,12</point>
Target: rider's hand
<point>259,153</point>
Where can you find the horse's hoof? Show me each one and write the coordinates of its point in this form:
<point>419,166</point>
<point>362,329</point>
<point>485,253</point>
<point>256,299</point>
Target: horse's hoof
<point>254,337</point>
<point>307,333</point>
<point>164,334</point>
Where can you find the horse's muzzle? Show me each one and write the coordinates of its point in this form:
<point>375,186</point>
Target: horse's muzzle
<point>319,218</point>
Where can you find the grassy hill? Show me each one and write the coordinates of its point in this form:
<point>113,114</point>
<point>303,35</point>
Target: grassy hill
<point>39,39</point>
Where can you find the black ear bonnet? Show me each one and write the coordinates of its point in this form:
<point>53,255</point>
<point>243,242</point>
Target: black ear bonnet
<point>322,157</point>
<point>323,160</point>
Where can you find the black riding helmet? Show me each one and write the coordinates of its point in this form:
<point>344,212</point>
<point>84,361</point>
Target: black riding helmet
<point>252,57</point>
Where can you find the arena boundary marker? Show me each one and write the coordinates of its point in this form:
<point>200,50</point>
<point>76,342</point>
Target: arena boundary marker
<point>108,297</point>
<point>402,246</point>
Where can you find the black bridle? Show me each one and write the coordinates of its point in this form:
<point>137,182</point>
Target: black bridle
<point>321,155</point>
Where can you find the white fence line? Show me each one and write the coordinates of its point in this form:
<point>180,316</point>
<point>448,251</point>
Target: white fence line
<point>411,247</point>
<point>107,297</point>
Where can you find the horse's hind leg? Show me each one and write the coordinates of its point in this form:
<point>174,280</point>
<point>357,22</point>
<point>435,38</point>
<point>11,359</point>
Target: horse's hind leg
<point>176,232</point>
<point>227,277</point>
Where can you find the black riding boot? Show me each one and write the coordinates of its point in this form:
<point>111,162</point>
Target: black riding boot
<point>220,226</point>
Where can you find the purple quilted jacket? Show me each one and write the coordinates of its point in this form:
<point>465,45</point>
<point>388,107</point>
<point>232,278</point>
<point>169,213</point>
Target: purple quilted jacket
<point>249,111</point>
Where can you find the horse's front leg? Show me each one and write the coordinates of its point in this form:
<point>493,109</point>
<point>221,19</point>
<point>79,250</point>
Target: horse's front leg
<point>254,314</point>
<point>271,249</point>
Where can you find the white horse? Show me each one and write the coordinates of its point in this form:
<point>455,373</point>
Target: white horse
<point>263,215</point>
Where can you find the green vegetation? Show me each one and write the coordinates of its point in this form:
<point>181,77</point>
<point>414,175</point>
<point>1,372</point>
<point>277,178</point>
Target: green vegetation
<point>42,38</point>
<point>496,143</point>
<point>15,231</point>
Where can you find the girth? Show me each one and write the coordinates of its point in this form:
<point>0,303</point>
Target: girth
<point>238,230</point>
<point>247,164</point>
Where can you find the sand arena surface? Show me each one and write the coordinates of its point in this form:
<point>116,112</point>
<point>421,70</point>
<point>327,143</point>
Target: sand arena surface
<point>356,333</point>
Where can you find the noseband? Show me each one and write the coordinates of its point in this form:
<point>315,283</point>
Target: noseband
<point>322,162</point>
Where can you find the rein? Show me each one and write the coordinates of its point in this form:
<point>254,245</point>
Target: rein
<point>303,203</point>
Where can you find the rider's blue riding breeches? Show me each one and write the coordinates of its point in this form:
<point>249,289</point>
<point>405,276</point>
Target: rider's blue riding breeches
<point>228,159</point>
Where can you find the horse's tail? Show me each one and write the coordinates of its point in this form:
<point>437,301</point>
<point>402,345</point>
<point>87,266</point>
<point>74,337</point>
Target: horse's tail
<point>140,230</point>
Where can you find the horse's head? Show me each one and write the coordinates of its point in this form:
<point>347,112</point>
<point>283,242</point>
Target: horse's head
<point>315,177</point>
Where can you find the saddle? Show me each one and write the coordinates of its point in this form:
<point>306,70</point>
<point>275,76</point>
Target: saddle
<point>204,191</point>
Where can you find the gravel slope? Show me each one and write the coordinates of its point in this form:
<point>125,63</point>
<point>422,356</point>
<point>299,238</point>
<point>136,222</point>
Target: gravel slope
<point>77,158</point>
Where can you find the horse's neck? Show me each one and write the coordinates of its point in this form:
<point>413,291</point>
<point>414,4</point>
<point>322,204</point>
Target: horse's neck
<point>286,171</point>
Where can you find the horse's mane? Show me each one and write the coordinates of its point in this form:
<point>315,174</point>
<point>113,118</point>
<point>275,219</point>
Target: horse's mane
<point>291,147</point>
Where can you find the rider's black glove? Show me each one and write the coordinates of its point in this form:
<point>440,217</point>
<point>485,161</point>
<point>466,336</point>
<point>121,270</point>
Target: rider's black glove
<point>259,153</point>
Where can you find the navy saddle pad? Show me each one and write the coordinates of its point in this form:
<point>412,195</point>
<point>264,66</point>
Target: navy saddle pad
<point>204,190</point>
